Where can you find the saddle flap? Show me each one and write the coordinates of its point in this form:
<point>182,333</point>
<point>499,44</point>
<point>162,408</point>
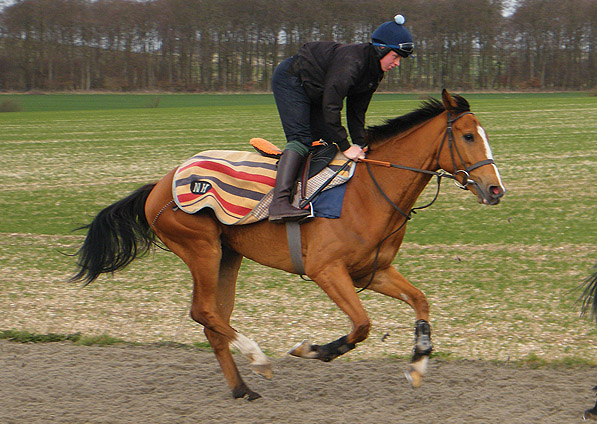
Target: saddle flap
<point>322,155</point>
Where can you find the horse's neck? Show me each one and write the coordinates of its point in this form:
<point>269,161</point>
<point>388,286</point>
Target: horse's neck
<point>418,149</point>
<point>421,141</point>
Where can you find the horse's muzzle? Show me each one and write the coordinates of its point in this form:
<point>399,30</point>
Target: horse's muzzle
<point>491,195</point>
<point>487,194</point>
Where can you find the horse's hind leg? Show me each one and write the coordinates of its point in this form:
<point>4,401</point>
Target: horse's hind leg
<point>213,297</point>
<point>391,283</point>
<point>229,266</point>
<point>196,240</point>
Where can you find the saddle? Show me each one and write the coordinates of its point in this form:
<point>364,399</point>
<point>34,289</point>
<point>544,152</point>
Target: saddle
<point>321,155</point>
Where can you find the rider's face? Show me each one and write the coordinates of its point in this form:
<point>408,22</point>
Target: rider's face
<point>389,61</point>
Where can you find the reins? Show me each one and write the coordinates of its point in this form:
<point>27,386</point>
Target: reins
<point>448,135</point>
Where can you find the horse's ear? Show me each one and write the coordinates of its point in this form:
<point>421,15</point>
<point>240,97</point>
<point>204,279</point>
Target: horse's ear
<point>449,103</point>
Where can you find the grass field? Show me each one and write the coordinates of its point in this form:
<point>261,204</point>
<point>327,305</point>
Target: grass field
<point>500,280</point>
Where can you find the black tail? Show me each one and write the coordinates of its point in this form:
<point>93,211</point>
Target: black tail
<point>589,296</point>
<point>116,236</point>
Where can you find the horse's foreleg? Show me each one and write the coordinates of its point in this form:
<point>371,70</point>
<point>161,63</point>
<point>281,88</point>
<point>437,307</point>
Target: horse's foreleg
<point>338,285</point>
<point>391,283</point>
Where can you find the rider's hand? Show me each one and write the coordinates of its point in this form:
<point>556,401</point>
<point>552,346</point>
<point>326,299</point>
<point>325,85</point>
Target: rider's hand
<point>354,152</point>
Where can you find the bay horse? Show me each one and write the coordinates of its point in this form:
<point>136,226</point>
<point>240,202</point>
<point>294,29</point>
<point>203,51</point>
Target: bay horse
<point>441,138</point>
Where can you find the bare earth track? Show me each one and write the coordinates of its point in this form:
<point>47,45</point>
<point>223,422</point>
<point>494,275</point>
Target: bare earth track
<point>66,383</point>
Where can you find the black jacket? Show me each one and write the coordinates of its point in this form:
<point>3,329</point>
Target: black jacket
<point>331,72</point>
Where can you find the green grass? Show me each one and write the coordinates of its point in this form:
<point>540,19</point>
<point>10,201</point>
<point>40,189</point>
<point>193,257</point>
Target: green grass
<point>96,102</point>
<point>500,280</point>
<point>27,337</point>
<point>77,338</point>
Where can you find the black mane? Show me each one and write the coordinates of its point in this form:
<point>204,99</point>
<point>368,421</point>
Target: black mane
<point>428,109</point>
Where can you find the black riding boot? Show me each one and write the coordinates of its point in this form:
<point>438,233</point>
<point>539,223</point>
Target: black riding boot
<point>280,209</point>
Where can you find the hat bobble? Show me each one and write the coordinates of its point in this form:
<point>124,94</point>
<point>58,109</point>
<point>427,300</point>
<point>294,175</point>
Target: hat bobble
<point>399,19</point>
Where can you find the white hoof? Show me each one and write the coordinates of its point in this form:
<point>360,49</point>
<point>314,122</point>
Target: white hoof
<point>415,371</point>
<point>304,350</point>
<point>264,370</point>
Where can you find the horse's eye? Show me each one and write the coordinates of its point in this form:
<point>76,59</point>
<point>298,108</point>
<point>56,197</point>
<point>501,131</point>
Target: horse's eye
<point>469,137</point>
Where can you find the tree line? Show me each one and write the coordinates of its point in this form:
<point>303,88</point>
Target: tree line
<point>234,45</point>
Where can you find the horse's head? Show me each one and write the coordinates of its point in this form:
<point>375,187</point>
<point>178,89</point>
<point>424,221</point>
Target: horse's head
<point>465,152</point>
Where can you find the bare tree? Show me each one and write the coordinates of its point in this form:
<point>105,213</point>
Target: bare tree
<point>219,45</point>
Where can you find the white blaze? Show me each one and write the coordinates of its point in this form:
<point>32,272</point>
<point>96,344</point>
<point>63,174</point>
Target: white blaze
<point>488,153</point>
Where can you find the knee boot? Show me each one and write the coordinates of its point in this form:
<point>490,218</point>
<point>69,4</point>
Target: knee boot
<point>280,209</point>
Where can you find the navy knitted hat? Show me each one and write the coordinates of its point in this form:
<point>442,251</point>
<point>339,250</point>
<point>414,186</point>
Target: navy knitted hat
<point>392,35</point>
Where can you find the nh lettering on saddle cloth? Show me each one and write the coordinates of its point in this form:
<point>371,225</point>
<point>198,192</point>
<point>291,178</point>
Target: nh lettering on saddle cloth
<point>238,186</point>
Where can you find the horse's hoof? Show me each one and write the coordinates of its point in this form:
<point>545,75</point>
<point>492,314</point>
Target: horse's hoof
<point>264,370</point>
<point>414,377</point>
<point>416,370</point>
<point>245,393</point>
<point>590,414</point>
<point>304,350</point>
<point>252,396</point>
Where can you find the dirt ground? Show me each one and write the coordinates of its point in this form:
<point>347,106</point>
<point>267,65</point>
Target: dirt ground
<point>66,383</point>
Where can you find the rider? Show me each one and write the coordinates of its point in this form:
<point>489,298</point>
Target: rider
<point>310,88</point>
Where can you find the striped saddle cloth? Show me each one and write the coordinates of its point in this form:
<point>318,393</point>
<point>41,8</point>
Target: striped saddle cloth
<point>238,186</point>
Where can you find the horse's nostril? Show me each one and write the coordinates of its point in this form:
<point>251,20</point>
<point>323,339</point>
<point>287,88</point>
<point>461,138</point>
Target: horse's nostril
<point>496,191</point>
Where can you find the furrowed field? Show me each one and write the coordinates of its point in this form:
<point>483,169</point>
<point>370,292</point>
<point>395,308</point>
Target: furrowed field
<point>502,281</point>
